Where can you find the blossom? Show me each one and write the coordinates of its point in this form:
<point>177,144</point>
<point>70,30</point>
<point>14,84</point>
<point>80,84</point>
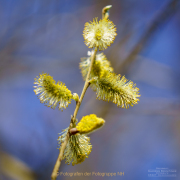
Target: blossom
<point>100,66</point>
<point>116,88</point>
<point>99,34</point>
<point>77,149</point>
<point>89,124</point>
<point>108,85</point>
<point>51,93</point>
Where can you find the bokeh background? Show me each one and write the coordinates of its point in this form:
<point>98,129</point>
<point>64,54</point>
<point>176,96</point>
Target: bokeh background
<point>46,36</point>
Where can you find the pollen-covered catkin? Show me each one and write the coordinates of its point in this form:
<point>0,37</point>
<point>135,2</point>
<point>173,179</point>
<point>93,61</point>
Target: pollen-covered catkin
<point>100,66</point>
<point>77,149</point>
<point>51,93</point>
<point>108,85</point>
<point>99,34</point>
<point>117,89</point>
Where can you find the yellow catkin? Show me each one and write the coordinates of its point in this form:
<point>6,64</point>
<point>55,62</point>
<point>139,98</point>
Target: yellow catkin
<point>50,93</point>
<point>78,148</point>
<point>99,34</point>
<point>108,85</point>
<point>117,89</point>
<point>100,66</point>
<point>89,124</point>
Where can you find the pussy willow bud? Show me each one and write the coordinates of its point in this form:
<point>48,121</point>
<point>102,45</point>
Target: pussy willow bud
<point>89,124</point>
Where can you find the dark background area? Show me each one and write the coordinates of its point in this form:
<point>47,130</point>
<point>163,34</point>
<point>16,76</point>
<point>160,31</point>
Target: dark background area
<point>46,36</point>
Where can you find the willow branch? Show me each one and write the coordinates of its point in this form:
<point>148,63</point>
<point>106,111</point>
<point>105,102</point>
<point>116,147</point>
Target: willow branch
<point>86,85</point>
<point>59,159</point>
<point>73,119</point>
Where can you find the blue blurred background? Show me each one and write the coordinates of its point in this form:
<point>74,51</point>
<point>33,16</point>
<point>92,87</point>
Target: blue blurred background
<point>46,36</point>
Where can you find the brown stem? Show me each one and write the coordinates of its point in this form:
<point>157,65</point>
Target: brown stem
<point>59,159</point>
<point>63,145</point>
<point>86,85</point>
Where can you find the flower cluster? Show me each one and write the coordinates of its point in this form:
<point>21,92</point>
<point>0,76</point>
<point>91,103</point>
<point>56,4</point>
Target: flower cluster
<point>89,124</point>
<point>100,66</point>
<point>99,34</point>
<point>117,89</point>
<point>77,149</point>
<point>102,79</point>
<point>108,85</point>
<point>51,93</point>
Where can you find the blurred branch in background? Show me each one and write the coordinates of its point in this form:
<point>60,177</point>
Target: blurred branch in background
<point>168,11</point>
<point>15,169</point>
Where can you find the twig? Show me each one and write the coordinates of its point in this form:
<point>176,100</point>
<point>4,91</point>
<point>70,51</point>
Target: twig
<point>73,119</point>
<point>86,85</point>
<point>59,159</point>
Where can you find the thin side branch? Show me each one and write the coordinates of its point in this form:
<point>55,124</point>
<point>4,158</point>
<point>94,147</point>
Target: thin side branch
<point>73,119</point>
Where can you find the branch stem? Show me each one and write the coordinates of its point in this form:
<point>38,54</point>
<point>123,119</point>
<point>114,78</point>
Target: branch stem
<point>73,119</point>
<point>86,85</point>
